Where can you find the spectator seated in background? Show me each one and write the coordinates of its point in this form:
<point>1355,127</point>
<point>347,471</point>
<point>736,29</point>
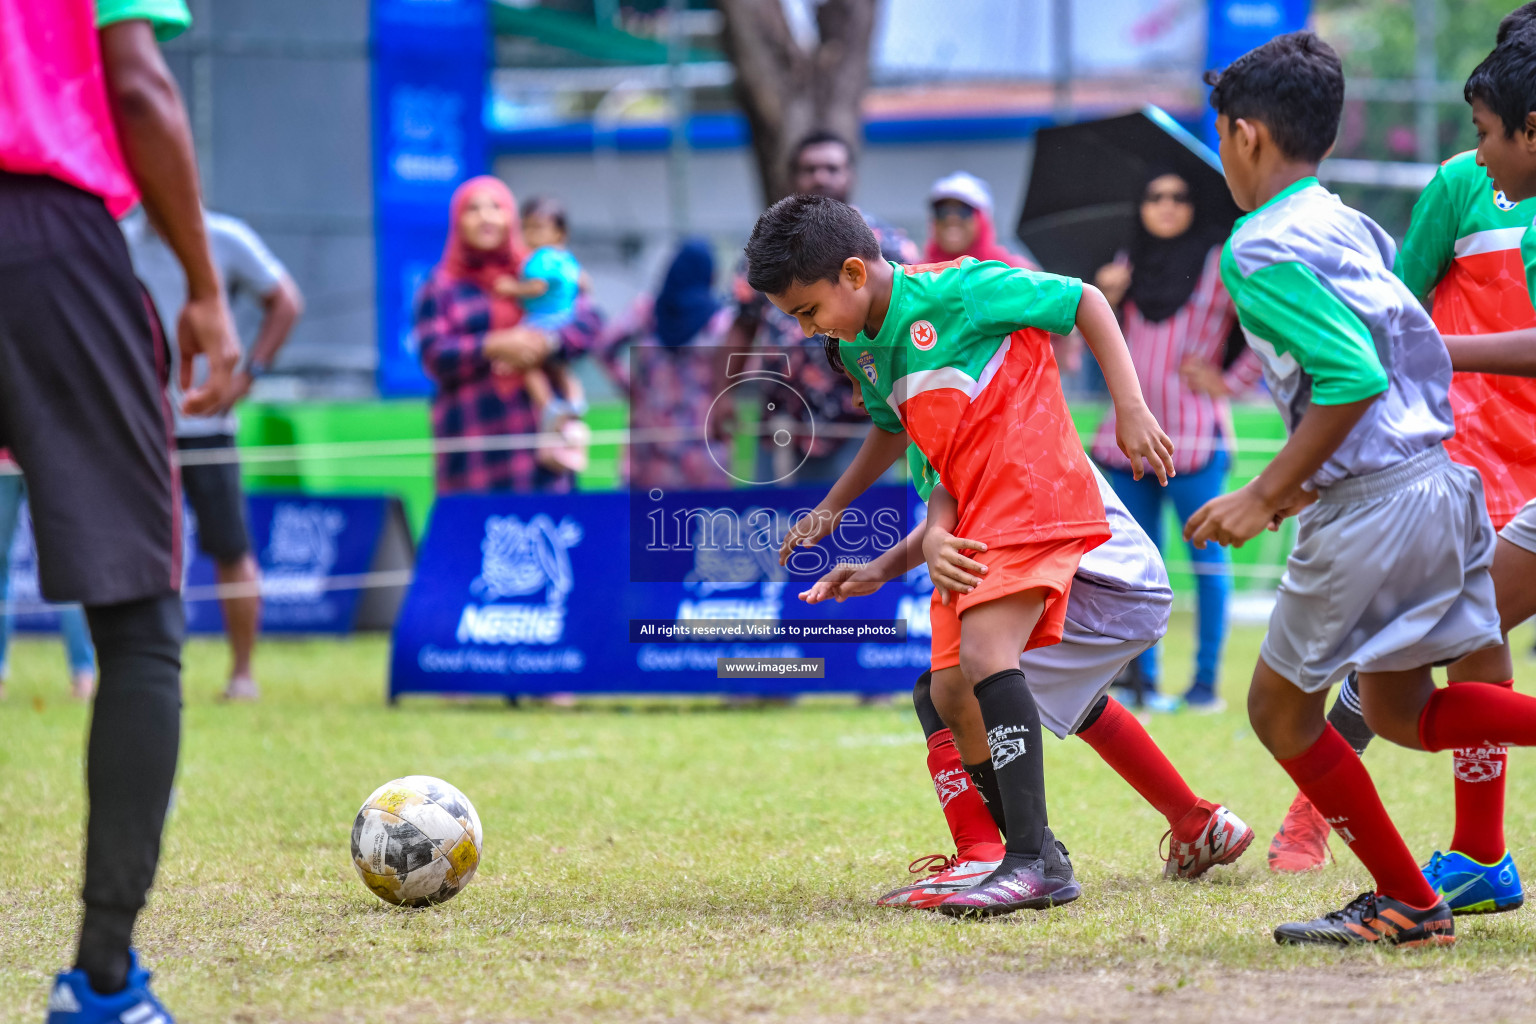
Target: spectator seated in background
<point>478,350</point>
<point>666,355</point>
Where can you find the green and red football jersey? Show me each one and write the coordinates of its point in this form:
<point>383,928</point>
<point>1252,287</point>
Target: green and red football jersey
<point>963,364</point>
<point>1463,253</point>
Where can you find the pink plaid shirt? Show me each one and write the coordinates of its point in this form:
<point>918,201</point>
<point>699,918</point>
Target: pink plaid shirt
<point>1198,423</point>
<point>451,322</point>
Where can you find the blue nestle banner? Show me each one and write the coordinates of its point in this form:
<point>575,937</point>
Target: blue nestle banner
<point>1237,26</point>
<point>430,60</point>
<point>535,594</point>
<point>302,543</point>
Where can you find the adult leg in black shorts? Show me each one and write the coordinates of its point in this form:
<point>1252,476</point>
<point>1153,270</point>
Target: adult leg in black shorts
<point>210,478</point>
<point>82,408</point>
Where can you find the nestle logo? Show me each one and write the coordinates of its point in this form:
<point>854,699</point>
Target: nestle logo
<point>1253,15</point>
<point>511,624</point>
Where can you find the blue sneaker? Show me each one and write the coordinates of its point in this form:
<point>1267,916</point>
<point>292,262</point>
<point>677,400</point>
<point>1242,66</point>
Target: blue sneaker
<point>1473,888</point>
<point>73,1001</point>
<point>1161,703</point>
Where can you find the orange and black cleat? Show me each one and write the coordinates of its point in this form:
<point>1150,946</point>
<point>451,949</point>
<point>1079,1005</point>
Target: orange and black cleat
<point>1371,918</point>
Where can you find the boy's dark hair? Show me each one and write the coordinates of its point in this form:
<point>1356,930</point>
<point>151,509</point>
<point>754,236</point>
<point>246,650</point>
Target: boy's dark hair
<point>1294,84</point>
<point>834,355</point>
<point>1505,82</point>
<point>806,239</point>
<point>816,138</point>
<point>1516,20</point>
<point>547,206</point>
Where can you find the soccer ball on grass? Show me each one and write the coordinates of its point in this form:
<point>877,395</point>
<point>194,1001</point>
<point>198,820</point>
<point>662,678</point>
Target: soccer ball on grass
<point>416,841</point>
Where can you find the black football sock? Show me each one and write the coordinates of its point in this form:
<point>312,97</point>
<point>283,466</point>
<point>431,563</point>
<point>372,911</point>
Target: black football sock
<point>1345,716</point>
<point>984,778</point>
<point>130,765</point>
<point>1013,735</point>
<point>922,702</point>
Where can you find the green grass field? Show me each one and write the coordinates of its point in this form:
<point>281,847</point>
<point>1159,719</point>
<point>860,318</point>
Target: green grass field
<point>680,862</point>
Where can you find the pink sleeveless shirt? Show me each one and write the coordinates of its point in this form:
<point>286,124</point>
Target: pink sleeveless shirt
<point>54,117</point>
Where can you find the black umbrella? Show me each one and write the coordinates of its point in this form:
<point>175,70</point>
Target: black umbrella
<point>1082,202</point>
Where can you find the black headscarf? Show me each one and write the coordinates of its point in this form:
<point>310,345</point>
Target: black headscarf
<point>1164,271</point>
<point>685,303</point>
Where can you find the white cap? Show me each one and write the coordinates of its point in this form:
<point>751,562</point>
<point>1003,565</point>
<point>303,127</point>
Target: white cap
<point>966,187</point>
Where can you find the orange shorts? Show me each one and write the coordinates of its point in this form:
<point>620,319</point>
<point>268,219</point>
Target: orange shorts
<point>1050,564</point>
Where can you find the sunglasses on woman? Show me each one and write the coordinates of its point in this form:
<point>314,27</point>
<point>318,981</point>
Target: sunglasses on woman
<point>952,208</point>
<point>1179,196</point>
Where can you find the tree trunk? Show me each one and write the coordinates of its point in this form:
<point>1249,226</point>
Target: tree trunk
<point>787,90</point>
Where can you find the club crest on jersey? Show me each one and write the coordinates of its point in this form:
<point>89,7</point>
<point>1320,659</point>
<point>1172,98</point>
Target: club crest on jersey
<point>867,364</point>
<point>1502,201</point>
<point>924,337</point>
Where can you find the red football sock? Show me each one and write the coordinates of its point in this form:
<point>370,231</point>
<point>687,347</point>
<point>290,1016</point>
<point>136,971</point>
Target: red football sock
<point>1124,745</point>
<point>970,822</point>
<point>1477,716</point>
<point>1480,780</point>
<point>1334,778</point>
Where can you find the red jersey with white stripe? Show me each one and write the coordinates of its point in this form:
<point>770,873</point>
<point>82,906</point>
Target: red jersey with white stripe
<point>963,363</point>
<point>1462,253</point>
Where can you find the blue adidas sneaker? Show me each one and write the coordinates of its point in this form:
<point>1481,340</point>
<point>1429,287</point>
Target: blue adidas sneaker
<point>1473,888</point>
<point>73,1001</point>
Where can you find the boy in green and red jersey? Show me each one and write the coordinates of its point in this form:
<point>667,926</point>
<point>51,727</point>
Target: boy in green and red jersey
<point>957,357</point>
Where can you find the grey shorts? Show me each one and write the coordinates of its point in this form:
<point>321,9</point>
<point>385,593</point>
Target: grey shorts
<point>1389,573</point>
<point>1521,530</point>
<point>1068,678</point>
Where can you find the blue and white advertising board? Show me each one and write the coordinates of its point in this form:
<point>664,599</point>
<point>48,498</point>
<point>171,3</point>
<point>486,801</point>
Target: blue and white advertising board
<point>1237,26</point>
<point>303,544</point>
<point>537,594</point>
<point>430,61</point>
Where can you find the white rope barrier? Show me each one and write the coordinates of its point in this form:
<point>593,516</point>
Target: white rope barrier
<point>344,452</point>
<point>276,588</point>
<point>405,447</point>
<point>267,588</point>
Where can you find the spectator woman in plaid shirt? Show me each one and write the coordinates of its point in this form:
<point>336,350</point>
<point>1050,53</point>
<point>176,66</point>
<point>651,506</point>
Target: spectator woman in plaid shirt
<point>1177,318</point>
<point>475,349</point>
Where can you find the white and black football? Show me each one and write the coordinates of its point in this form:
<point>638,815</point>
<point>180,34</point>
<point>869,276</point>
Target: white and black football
<point>416,841</point>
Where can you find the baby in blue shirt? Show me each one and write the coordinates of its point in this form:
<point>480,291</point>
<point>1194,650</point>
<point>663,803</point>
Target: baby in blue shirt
<point>551,282</point>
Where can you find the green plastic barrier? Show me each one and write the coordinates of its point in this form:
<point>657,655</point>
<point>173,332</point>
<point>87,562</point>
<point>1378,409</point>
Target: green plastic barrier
<point>340,472</point>
<point>410,476</point>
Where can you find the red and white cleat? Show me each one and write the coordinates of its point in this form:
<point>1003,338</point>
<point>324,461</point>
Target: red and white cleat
<point>1302,842</point>
<point>950,875</point>
<point>1222,841</point>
